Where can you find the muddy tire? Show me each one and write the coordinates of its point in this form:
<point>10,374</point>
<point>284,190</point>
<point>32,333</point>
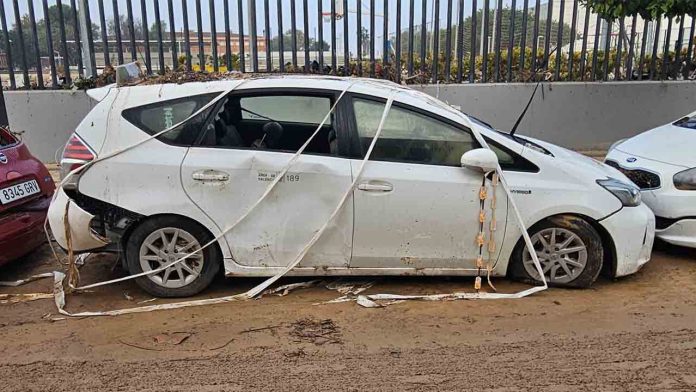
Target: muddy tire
<point>569,249</point>
<point>162,240</point>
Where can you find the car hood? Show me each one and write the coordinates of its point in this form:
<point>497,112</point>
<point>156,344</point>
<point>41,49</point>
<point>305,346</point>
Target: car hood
<point>668,144</point>
<point>576,164</point>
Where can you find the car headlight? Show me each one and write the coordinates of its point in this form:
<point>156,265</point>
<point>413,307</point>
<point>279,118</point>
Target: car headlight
<point>628,194</point>
<point>686,180</point>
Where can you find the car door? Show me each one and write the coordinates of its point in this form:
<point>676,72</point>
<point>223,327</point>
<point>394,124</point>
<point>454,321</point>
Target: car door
<point>415,207</point>
<point>250,137</point>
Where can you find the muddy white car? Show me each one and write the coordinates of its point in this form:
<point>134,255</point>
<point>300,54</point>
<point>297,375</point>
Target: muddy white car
<point>415,210</point>
<point>662,163</point>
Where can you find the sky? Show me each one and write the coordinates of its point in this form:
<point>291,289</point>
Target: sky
<point>259,6</point>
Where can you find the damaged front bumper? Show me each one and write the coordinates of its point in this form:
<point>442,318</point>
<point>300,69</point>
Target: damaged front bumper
<point>77,226</point>
<point>633,232</point>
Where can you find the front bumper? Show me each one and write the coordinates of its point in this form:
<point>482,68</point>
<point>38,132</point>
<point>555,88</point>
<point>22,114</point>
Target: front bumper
<point>681,233</point>
<point>21,231</point>
<point>633,232</point>
<point>81,235</point>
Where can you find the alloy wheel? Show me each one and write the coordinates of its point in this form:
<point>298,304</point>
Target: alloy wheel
<point>562,255</point>
<point>165,246</point>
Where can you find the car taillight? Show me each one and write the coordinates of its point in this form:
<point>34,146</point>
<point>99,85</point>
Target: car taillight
<point>76,154</point>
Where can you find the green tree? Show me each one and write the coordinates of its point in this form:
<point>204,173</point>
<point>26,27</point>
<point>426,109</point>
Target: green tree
<point>648,9</point>
<point>299,37</point>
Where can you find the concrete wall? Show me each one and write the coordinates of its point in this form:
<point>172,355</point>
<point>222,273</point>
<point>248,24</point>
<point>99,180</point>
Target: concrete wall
<point>574,115</point>
<point>46,118</point>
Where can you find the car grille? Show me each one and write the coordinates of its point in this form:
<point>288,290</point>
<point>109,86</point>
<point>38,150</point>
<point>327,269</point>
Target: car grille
<point>643,178</point>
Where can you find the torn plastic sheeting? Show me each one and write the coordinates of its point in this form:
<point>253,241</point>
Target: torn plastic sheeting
<point>32,278</point>
<point>286,289</point>
<point>17,298</point>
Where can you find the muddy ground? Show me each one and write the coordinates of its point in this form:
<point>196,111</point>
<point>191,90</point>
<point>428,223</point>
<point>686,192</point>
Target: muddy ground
<point>634,334</point>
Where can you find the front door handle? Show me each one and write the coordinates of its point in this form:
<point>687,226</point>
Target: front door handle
<point>210,175</point>
<point>372,187</point>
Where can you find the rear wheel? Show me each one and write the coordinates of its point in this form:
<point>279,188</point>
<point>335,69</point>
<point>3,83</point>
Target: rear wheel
<point>160,241</point>
<point>569,250</point>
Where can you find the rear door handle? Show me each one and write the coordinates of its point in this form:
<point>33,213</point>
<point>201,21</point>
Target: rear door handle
<point>372,187</point>
<point>210,175</point>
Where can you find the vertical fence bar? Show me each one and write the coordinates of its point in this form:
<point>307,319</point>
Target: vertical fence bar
<point>146,36</point>
<point>448,43</point>
<point>372,37</point>
<point>607,46</point>
<point>692,33</point>
<point>631,49</point>
<point>656,41</point>
<point>160,43</point>
<point>619,48</point>
<point>559,41</point>
<point>333,37</point>
<point>358,22</point>
<point>22,48</point>
<point>472,54</point>
<point>35,40</point>
<point>535,39</point>
<point>511,42</point>
<point>460,41</point>
<point>547,34</point>
<point>172,35</point>
<point>199,31</point>
<point>484,41</point>
<point>240,22</point>
<point>187,35</point>
<point>104,33</point>
<point>523,36</point>
<point>346,48</point>
<point>320,33</point>
<point>281,46</point>
<point>254,46</point>
<point>573,35</point>
<point>423,36</point>
<point>131,29</point>
<point>49,45</point>
<point>583,50</point>
<point>293,31</point>
<point>78,45</point>
<point>665,55</point>
<point>385,46</point>
<point>86,27</point>
<point>8,46</point>
<point>397,54</point>
<point>213,36</point>
<point>63,45</point>
<point>595,48</point>
<point>498,31</point>
<point>117,30</point>
<point>266,33</point>
<point>436,39</point>
<point>305,8</point>
<point>643,44</point>
<point>680,40</point>
<point>411,9</point>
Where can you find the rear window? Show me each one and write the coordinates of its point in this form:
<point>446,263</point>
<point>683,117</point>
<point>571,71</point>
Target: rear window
<point>6,139</point>
<point>156,117</point>
<point>687,122</point>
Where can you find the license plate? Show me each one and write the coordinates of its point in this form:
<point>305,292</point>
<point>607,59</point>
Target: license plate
<point>19,191</point>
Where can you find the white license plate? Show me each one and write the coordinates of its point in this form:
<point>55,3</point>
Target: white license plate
<point>19,191</point>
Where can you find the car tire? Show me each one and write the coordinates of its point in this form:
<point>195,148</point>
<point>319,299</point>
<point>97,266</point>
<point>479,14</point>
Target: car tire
<point>149,246</point>
<point>569,249</point>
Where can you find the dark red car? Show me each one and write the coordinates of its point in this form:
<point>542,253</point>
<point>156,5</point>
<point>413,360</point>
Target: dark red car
<point>26,188</point>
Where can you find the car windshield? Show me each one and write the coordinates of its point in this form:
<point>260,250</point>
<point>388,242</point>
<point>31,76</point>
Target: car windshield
<point>516,139</point>
<point>687,122</point>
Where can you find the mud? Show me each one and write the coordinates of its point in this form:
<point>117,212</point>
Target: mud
<point>633,334</point>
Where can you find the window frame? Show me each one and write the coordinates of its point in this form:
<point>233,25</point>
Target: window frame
<point>357,148</point>
<point>337,116</point>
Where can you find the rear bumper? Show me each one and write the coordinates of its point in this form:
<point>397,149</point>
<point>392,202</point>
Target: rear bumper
<point>633,232</point>
<point>21,231</point>
<point>82,237</point>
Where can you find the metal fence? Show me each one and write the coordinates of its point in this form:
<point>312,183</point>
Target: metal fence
<point>50,43</point>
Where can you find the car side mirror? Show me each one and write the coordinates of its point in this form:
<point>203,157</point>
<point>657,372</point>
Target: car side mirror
<point>481,159</point>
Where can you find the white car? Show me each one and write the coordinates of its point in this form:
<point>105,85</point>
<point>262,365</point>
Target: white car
<point>415,210</point>
<point>662,163</point>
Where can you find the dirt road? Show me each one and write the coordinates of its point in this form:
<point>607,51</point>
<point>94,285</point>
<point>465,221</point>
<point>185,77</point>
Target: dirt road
<point>633,334</point>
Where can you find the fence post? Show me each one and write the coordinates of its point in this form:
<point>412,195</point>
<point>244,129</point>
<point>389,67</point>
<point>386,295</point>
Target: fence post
<point>88,58</point>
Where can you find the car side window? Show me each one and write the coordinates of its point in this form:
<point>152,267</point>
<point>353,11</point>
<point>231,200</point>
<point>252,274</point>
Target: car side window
<point>275,122</point>
<point>409,136</point>
<point>156,117</point>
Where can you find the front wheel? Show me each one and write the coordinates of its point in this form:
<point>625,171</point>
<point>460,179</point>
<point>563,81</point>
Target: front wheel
<point>162,240</point>
<point>569,250</point>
